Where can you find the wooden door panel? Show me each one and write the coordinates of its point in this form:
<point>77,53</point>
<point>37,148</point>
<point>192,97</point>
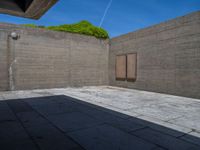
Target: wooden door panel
<point>121,67</point>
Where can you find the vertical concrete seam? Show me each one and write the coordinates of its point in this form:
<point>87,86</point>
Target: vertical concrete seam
<point>10,63</point>
<point>69,57</point>
<point>109,56</point>
<point>8,60</point>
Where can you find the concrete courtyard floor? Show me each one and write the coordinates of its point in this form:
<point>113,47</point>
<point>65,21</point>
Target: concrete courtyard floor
<point>98,118</point>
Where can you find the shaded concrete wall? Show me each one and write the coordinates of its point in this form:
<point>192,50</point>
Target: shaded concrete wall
<point>3,62</point>
<point>48,59</point>
<point>168,57</point>
<point>33,9</point>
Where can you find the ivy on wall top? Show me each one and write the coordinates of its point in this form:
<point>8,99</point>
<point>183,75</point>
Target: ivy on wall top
<point>83,27</point>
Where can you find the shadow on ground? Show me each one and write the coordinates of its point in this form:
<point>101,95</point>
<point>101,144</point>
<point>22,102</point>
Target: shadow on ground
<point>65,123</point>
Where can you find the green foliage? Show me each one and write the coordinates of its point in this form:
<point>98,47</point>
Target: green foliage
<point>83,27</point>
<point>30,25</point>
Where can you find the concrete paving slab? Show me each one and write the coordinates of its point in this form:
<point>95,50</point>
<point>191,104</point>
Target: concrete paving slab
<point>98,112</point>
<point>53,109</point>
<point>112,98</point>
<point>20,144</point>
<point>195,105</point>
<point>191,121</point>
<point>167,103</point>
<point>164,140</point>
<point>69,122</point>
<point>158,111</point>
<point>39,101</point>
<point>18,106</point>
<point>46,135</point>
<point>1,98</point>
<point>162,126</point>
<point>125,125</point>
<point>193,137</point>
<point>18,94</point>
<point>182,109</point>
<point>105,137</point>
<point>123,110</point>
<point>113,120</point>
<point>6,115</point>
<point>159,148</point>
<point>101,107</point>
<point>13,136</point>
<point>50,138</point>
<point>30,119</point>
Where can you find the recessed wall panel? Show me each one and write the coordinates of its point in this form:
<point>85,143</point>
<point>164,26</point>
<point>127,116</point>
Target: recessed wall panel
<point>121,67</point>
<point>131,67</point>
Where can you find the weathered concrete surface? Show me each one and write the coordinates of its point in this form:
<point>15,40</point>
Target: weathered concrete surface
<point>168,57</point>
<point>4,84</point>
<point>33,9</point>
<point>48,59</point>
<point>97,118</point>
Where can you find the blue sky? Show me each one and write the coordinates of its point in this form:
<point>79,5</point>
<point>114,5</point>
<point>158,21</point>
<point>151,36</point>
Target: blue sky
<point>123,16</point>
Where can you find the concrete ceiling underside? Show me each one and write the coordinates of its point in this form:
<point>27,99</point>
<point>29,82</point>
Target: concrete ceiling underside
<point>33,9</point>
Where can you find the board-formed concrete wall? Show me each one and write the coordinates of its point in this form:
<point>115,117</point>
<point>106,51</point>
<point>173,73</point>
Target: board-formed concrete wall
<point>3,61</point>
<point>48,59</point>
<point>168,57</point>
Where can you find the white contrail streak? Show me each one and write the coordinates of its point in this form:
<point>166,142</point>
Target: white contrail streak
<point>105,13</point>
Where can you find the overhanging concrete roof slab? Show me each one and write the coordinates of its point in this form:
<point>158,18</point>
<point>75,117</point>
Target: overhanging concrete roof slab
<point>33,9</point>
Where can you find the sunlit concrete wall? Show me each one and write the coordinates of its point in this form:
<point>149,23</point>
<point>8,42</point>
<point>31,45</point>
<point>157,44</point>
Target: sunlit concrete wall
<point>48,59</point>
<point>168,57</point>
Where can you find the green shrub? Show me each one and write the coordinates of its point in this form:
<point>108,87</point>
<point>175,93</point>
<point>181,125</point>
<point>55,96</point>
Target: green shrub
<point>30,25</point>
<point>83,27</point>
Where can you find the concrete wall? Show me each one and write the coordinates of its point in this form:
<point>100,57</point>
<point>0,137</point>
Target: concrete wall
<point>168,57</point>
<point>48,59</point>
<point>33,9</point>
<point>3,62</point>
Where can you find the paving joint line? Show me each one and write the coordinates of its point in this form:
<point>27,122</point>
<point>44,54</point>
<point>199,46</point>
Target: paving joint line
<point>64,133</point>
<point>21,123</point>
